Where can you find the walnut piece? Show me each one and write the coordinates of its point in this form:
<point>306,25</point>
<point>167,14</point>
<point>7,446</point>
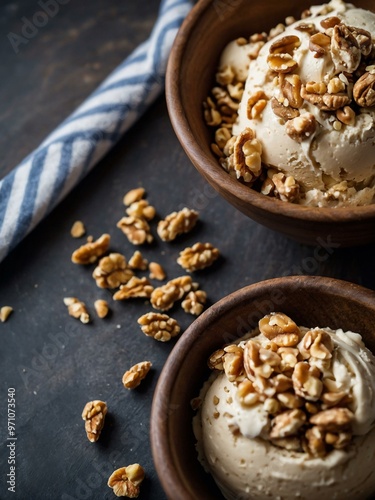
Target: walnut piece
<point>135,287</point>
<point>334,419</point>
<point>136,229</point>
<point>199,256</point>
<point>5,312</point>
<point>156,271</point>
<point>78,229</point>
<point>302,127</point>
<point>194,302</point>
<point>90,252</point>
<point>282,111</point>
<point>126,481</point>
<point>247,153</point>
<point>164,297</point>
<point>101,308</point>
<point>141,209</point>
<point>134,195</point>
<point>159,326</point>
<point>134,376</point>
<point>137,261</point>
<point>285,187</point>
<point>112,271</point>
<point>77,309</point>
<point>364,90</point>
<point>177,223</point>
<point>94,414</point>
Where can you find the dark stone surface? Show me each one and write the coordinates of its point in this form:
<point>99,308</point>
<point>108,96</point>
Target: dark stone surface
<point>55,363</point>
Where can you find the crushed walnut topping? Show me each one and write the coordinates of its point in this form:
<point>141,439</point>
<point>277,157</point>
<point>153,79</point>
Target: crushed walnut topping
<point>199,256</point>
<point>101,308</point>
<point>136,229</point>
<point>134,376</point>
<point>289,370</point>
<point>5,312</point>
<point>159,326</point>
<point>77,309</point>
<point>194,302</point>
<point>112,271</point>
<point>177,223</point>
<point>94,414</point>
<point>164,297</point>
<point>135,287</point>
<point>126,481</point>
<point>91,251</point>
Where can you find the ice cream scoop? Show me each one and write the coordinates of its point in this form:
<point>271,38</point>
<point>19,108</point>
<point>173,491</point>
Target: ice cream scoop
<point>289,413</point>
<point>309,102</point>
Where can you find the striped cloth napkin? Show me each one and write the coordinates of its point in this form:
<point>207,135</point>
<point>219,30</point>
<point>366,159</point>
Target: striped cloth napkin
<point>33,188</point>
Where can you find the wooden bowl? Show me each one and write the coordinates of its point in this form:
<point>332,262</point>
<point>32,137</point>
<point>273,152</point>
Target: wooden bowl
<point>310,301</point>
<point>190,76</point>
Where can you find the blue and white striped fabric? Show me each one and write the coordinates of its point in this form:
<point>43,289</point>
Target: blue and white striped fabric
<point>30,191</point>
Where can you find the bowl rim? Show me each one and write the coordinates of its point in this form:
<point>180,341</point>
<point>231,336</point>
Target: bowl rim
<point>160,447</point>
<point>210,168</point>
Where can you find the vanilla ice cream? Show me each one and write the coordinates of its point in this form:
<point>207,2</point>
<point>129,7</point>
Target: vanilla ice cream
<point>307,111</point>
<point>290,414</point>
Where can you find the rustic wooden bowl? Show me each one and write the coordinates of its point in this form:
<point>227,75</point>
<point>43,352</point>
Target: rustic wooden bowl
<point>190,76</point>
<point>310,301</point>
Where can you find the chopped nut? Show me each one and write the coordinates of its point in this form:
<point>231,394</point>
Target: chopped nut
<point>78,229</point>
<point>291,89</point>
<point>136,229</point>
<point>282,63</point>
<point>135,287</point>
<point>141,209</point>
<point>302,127</point>
<point>316,343</point>
<point>319,43</point>
<point>5,312</point>
<point>315,442</point>
<point>159,326</point>
<point>216,360</point>
<point>199,256</point>
<point>164,297</point>
<point>275,324</point>
<point>247,394</point>
<point>316,88</point>
<point>126,481</point>
<point>77,309</point>
<point>346,115</point>
<point>334,419</point>
<point>285,45</point>
<point>233,364</point>
<point>225,75</point>
<point>112,271</point>
<point>330,22</point>
<point>134,195</point>
<point>345,51</point>
<point>94,414</point>
<point>134,376</point>
<point>90,252</point>
<point>285,187</point>
<point>247,156</point>
<point>177,223</point>
<point>335,85</point>
<point>364,90</point>
<point>156,271</point>
<point>101,308</point>
<point>282,111</point>
<point>255,104</point>
<point>306,382</point>
<point>137,261</point>
<point>287,423</point>
<point>194,302</point>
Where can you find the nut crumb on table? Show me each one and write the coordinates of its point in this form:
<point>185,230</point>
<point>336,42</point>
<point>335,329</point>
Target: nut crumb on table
<point>159,326</point>
<point>94,414</point>
<point>135,287</point>
<point>134,376</point>
<point>78,229</point>
<point>199,256</point>
<point>137,261</point>
<point>126,481</point>
<point>177,223</point>
<point>164,297</point>
<point>5,312</point>
<point>134,195</point>
<point>77,309</point>
<point>101,308</point>
<point>112,271</point>
<point>91,251</point>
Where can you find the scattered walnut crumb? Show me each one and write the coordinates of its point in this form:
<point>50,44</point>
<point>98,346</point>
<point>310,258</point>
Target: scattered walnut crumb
<point>78,229</point>
<point>159,326</point>
<point>101,308</point>
<point>134,195</point>
<point>156,271</point>
<point>133,377</point>
<point>194,302</point>
<point>77,309</point>
<point>198,256</point>
<point>126,481</point>
<point>112,271</point>
<point>5,312</point>
<point>90,252</point>
<point>137,261</point>
<point>141,208</point>
<point>135,287</point>
<point>94,414</point>
<point>136,229</point>
<point>177,223</point>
